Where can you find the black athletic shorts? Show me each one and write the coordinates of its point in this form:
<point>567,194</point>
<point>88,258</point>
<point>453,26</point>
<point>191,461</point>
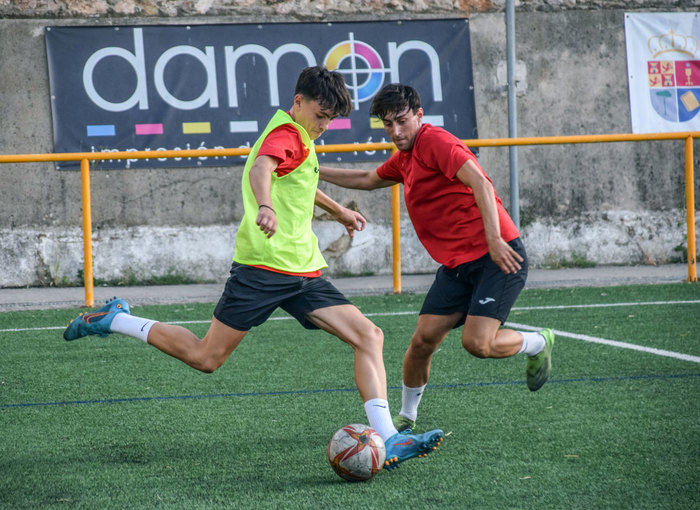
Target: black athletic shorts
<point>252,294</point>
<point>478,287</point>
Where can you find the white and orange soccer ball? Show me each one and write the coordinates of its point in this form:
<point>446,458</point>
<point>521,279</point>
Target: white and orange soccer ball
<point>356,452</point>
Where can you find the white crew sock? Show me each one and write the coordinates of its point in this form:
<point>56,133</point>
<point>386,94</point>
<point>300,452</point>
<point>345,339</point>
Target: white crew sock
<point>533,343</point>
<point>131,325</point>
<point>379,417</point>
<point>410,398</point>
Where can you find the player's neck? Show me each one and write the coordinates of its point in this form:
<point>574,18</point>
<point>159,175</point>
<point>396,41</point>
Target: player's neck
<point>293,114</point>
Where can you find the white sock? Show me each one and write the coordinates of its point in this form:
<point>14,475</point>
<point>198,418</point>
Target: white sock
<point>379,417</point>
<point>533,343</point>
<point>131,325</point>
<point>410,398</point>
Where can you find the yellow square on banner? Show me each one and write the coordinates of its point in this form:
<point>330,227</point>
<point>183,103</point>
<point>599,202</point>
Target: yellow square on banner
<point>690,101</point>
<point>189,128</point>
<point>376,123</point>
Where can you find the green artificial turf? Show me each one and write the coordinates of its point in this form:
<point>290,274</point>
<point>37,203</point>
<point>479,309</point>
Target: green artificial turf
<point>114,423</point>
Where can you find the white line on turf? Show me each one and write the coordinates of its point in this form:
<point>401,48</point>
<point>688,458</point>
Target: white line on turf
<point>605,305</point>
<point>614,343</point>
<point>49,328</point>
<point>624,345</point>
<point>14,330</point>
<point>585,338</point>
<point>515,308</point>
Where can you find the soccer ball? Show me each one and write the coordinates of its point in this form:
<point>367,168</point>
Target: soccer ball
<point>356,452</point>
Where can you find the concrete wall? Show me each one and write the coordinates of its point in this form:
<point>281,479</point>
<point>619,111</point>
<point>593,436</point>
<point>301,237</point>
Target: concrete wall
<point>607,203</point>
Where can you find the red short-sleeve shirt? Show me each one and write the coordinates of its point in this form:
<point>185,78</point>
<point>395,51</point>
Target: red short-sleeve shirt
<point>443,210</point>
<point>284,144</point>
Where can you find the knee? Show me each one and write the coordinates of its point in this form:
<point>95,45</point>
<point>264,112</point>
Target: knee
<point>376,336</point>
<point>371,340</point>
<point>207,363</point>
<point>478,346</point>
<point>422,346</point>
<point>207,366</point>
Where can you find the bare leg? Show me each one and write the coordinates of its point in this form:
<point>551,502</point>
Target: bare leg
<point>430,332</point>
<point>367,340</point>
<point>482,337</point>
<point>206,354</point>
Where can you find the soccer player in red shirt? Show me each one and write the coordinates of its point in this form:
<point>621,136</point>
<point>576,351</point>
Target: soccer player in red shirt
<point>461,222</point>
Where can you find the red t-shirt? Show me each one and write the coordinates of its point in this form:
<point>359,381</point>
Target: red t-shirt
<point>443,210</point>
<point>284,144</point>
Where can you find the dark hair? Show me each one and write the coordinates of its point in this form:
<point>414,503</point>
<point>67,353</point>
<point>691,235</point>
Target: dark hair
<point>394,98</point>
<point>327,87</point>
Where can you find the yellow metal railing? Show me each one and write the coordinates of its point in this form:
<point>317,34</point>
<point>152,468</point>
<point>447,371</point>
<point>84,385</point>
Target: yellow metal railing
<point>86,157</point>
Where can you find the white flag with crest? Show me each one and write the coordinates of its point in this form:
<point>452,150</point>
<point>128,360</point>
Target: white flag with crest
<point>663,65</point>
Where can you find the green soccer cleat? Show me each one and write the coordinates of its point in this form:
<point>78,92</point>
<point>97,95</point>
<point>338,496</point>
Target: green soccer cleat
<point>97,322</point>
<point>403,424</point>
<point>402,447</point>
<point>540,365</point>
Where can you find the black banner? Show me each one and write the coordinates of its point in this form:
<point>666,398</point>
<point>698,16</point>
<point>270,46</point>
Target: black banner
<point>216,86</point>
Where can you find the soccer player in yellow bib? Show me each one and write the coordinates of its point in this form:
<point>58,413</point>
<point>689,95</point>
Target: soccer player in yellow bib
<point>277,263</point>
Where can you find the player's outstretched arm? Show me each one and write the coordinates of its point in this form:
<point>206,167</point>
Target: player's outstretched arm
<point>351,220</point>
<point>470,174</point>
<point>354,178</point>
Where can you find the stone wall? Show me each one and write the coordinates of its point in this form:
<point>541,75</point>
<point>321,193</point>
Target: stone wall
<point>307,10</point>
<point>605,203</point>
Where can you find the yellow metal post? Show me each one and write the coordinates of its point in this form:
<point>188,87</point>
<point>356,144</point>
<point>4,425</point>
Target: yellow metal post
<point>690,209</point>
<point>87,232</point>
<point>396,234</point>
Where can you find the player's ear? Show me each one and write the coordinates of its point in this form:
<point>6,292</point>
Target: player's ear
<point>298,99</point>
<point>419,114</point>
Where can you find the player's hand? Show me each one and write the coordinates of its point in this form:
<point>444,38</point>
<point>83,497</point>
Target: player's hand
<point>351,220</point>
<point>504,256</point>
<point>267,221</point>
